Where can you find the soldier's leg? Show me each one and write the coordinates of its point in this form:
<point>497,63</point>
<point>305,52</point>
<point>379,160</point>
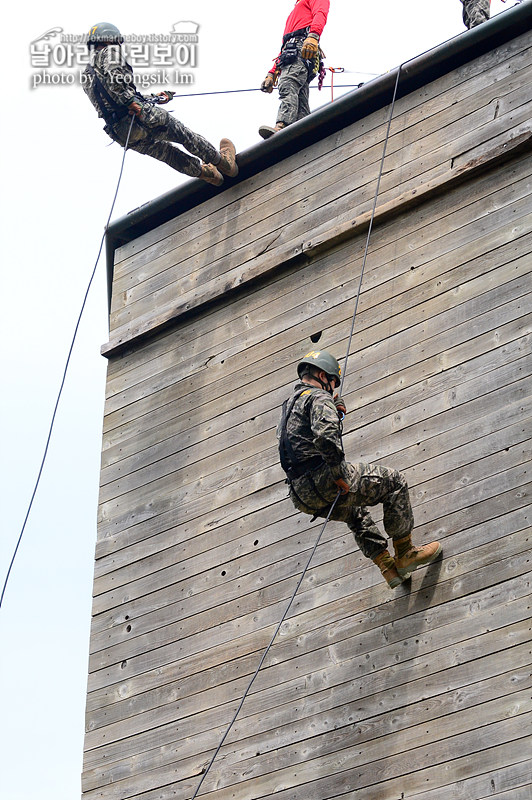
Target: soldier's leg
<point>475,12</point>
<point>378,484</point>
<point>293,78</point>
<point>164,127</point>
<point>171,155</point>
<point>317,493</point>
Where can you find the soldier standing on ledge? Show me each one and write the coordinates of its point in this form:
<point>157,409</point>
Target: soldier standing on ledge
<point>312,456</point>
<point>108,82</point>
<point>475,12</point>
<point>297,63</point>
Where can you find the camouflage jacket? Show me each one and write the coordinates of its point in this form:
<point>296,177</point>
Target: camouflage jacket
<point>115,75</point>
<point>314,429</point>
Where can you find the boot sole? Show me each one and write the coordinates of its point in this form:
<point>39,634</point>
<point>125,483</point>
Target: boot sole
<point>395,582</point>
<point>265,131</point>
<point>406,571</point>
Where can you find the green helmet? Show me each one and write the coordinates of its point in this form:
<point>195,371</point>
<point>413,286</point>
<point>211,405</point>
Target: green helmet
<point>322,360</point>
<point>104,32</point>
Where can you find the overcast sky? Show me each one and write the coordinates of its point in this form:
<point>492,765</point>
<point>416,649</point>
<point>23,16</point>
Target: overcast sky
<point>58,180</point>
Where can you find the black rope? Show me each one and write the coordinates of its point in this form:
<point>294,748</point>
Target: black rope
<point>300,581</point>
<point>238,91</point>
<point>65,369</point>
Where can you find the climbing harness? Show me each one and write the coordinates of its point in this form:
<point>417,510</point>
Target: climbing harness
<point>51,427</point>
<point>331,509</point>
<point>113,112</point>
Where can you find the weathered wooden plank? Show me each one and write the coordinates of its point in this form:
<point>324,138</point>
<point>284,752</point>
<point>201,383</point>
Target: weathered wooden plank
<point>341,636</point>
<point>417,683</point>
<point>509,782</point>
<point>172,625</point>
<point>328,742</point>
<point>445,322</point>
<point>216,323</point>
<point>497,452</point>
<point>291,777</point>
<point>243,560</point>
<point>153,382</point>
<point>220,653</point>
<point>294,250</point>
<point>419,105</point>
<point>460,90</point>
<point>209,456</point>
<point>297,719</point>
<point>163,496</point>
<point>153,287</point>
<point>473,340</point>
<point>419,131</point>
<point>252,362</point>
<point>199,548</point>
<point>447,453</point>
<point>275,695</point>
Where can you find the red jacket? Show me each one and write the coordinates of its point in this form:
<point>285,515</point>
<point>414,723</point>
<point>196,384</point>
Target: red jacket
<point>307,13</point>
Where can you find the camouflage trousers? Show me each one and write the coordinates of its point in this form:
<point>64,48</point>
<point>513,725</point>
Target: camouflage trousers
<point>155,134</point>
<point>293,93</point>
<point>475,12</point>
<point>370,484</point>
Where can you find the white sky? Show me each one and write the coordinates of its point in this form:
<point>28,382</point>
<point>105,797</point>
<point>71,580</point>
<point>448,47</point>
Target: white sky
<point>58,180</point>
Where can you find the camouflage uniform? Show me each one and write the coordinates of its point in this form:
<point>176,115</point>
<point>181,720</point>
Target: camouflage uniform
<point>155,130</point>
<point>315,435</point>
<point>475,12</point>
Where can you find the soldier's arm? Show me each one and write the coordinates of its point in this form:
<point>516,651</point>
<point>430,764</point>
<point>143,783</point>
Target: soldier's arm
<point>118,78</point>
<point>327,432</point>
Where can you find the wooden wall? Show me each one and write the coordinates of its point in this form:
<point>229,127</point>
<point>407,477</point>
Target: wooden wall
<point>422,692</point>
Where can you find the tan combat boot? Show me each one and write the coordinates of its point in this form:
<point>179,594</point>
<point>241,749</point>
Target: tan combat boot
<point>386,564</point>
<point>408,557</point>
<point>210,174</point>
<point>266,131</point>
<point>227,163</point>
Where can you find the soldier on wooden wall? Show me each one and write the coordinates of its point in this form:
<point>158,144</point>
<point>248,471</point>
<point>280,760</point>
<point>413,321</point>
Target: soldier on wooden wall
<point>313,458</point>
<point>108,82</point>
<point>475,12</point>
<point>297,63</point>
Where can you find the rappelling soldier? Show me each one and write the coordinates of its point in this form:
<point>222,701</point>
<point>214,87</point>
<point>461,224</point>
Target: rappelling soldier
<point>108,81</point>
<point>475,12</point>
<point>312,456</point>
<point>297,64</point>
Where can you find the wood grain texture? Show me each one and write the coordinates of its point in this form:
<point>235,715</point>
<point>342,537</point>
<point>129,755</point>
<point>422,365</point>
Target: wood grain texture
<point>423,692</point>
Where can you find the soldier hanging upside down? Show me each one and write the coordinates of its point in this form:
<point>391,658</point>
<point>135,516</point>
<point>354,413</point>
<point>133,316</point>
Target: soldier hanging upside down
<point>312,456</point>
<point>475,12</point>
<point>108,82</point>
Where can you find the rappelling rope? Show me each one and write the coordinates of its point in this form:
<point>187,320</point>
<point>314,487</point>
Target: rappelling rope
<point>66,368</point>
<point>322,529</point>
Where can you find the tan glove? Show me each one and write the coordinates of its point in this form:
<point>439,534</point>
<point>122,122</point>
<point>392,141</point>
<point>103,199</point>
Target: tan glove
<point>135,109</point>
<point>309,50</point>
<point>165,98</point>
<point>268,83</point>
<point>339,402</point>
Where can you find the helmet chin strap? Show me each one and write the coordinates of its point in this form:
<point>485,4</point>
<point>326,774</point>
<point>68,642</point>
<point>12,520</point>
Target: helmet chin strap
<point>326,386</point>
